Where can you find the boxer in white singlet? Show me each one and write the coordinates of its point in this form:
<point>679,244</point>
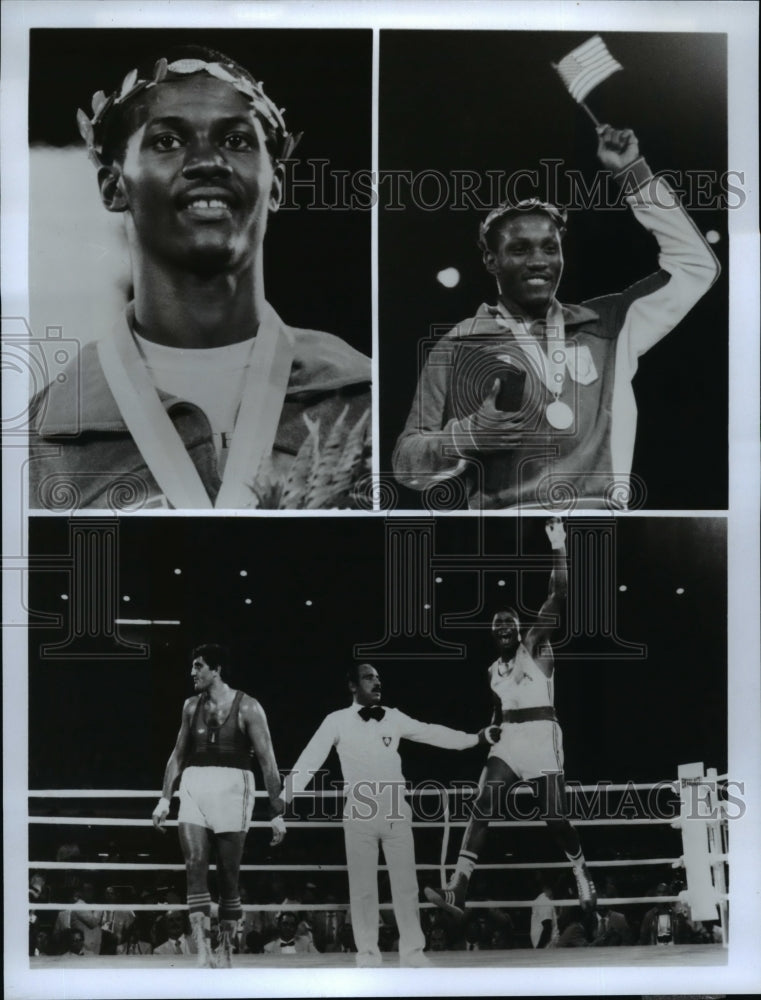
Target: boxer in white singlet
<point>531,746</point>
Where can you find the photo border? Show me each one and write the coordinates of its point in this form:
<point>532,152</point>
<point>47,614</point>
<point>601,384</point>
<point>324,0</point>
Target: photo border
<point>740,22</point>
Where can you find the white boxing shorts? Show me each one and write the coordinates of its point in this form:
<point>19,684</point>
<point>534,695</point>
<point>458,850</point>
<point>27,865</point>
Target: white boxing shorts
<point>218,798</point>
<point>530,749</point>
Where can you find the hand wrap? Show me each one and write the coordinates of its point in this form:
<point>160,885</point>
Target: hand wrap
<point>490,735</point>
<point>278,830</point>
<point>162,809</point>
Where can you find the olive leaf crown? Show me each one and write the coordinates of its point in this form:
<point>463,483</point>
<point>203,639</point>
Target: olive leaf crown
<point>93,129</point>
<point>558,215</point>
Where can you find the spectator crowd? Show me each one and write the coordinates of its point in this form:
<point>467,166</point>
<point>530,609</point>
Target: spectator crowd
<point>100,920</point>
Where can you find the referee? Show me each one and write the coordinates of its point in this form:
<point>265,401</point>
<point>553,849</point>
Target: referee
<point>366,737</point>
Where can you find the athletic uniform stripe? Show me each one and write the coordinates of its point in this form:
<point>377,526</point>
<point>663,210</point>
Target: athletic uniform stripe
<point>246,799</point>
<point>692,268</point>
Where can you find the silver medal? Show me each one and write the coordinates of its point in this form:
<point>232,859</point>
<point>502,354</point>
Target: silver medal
<point>559,415</point>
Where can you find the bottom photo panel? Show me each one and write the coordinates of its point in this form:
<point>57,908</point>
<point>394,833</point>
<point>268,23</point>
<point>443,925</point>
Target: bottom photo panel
<point>340,742</point>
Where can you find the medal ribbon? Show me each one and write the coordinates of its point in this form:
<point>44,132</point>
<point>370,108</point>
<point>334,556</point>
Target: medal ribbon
<point>552,362</point>
<point>552,365</point>
<point>156,436</point>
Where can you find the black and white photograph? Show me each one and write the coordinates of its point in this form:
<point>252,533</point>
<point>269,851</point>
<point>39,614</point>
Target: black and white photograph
<point>149,266</point>
<point>537,763</point>
<point>553,254</point>
<point>380,498</point>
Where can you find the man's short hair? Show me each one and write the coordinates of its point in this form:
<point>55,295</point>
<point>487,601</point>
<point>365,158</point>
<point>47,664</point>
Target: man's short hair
<point>507,211</point>
<point>69,934</point>
<point>506,611</point>
<point>216,656</point>
<point>117,117</point>
<point>352,674</point>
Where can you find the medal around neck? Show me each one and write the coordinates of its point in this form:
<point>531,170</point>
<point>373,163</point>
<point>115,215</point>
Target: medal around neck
<point>559,415</point>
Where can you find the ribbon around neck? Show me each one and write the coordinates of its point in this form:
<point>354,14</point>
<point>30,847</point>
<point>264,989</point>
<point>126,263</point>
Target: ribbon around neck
<point>544,360</point>
<point>157,438</point>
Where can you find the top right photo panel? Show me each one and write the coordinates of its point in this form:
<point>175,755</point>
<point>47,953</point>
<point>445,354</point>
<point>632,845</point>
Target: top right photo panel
<point>553,270</point>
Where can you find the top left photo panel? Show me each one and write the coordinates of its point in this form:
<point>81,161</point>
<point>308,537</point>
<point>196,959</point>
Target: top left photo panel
<point>199,269</point>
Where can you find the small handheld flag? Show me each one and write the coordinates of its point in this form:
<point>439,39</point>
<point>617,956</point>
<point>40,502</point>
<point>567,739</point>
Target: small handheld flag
<point>585,68</point>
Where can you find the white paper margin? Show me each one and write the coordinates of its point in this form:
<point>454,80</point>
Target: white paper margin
<point>740,22</point>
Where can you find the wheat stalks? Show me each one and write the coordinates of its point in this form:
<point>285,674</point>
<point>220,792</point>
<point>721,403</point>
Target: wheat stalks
<point>352,461</point>
<point>319,489</point>
<point>303,468</point>
<point>320,478</point>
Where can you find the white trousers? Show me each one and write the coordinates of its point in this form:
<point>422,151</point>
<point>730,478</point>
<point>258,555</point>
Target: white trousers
<point>363,838</point>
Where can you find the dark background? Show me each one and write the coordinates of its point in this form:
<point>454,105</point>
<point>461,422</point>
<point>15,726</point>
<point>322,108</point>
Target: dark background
<point>111,722</point>
<point>317,262</point>
<point>474,100</point>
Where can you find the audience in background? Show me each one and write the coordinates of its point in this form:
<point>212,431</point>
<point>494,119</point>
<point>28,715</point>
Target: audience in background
<point>572,928</point>
<point>72,942</point>
<point>179,940</point>
<point>116,923</point>
<point>610,928</point>
<point>544,923</point>
<point>99,928</point>
<point>662,925</point>
<point>292,938</point>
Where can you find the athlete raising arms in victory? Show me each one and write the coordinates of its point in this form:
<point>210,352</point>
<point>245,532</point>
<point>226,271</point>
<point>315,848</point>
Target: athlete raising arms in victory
<point>221,730</point>
<point>531,745</point>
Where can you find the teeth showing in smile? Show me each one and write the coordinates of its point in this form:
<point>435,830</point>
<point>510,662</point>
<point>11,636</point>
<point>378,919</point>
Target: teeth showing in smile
<point>206,203</point>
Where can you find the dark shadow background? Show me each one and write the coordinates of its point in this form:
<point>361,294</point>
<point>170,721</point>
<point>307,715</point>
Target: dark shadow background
<point>111,722</point>
<point>317,261</point>
<point>474,100</point>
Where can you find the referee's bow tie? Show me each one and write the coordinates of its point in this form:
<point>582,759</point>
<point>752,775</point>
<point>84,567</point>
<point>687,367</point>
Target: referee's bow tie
<point>372,712</point>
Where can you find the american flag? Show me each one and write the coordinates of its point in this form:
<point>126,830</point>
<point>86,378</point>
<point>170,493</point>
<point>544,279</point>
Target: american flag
<point>586,67</point>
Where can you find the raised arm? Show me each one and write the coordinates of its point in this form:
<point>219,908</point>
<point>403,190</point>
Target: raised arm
<point>551,612</point>
<point>174,766</point>
<point>651,308</point>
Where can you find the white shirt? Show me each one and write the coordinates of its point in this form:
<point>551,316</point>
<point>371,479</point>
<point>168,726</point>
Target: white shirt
<point>212,378</point>
<point>541,910</point>
<point>368,751</point>
<point>520,683</point>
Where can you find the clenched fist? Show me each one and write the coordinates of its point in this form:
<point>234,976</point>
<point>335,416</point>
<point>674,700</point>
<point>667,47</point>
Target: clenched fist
<point>616,148</point>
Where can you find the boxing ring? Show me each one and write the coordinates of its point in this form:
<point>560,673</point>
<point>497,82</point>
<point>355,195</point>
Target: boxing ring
<point>704,862</point>
<point>623,956</point>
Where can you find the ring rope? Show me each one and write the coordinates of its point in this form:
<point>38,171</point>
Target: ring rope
<point>444,839</point>
<point>717,847</point>
<point>164,867</point>
<point>319,824</point>
<point>476,904</point>
<point>111,793</point>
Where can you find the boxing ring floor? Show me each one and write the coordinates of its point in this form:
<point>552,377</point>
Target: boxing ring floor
<point>639,956</point>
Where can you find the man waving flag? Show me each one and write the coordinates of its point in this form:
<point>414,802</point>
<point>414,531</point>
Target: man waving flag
<point>585,68</point>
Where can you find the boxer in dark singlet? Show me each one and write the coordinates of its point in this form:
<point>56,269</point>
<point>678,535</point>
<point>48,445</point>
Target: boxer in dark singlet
<point>221,732</point>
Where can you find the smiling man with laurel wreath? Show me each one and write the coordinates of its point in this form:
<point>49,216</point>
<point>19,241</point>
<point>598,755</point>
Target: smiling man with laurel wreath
<point>201,397</point>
